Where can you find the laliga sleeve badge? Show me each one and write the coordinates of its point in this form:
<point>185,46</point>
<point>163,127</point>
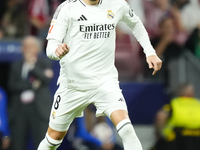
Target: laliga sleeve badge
<point>54,115</point>
<point>110,14</point>
<point>131,12</point>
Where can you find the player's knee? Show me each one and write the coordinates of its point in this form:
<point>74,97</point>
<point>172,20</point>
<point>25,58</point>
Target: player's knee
<point>56,135</point>
<point>52,141</point>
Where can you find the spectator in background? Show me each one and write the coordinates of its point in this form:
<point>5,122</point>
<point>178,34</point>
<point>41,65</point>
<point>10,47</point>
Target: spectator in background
<point>178,123</point>
<point>165,46</point>
<point>154,11</point>
<point>14,20</point>
<point>39,17</point>
<point>31,100</point>
<point>4,129</point>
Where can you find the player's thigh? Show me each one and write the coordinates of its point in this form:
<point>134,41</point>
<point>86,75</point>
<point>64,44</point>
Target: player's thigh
<point>68,104</point>
<point>109,99</point>
<point>56,135</point>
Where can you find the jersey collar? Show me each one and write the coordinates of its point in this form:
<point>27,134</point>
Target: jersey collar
<point>83,3</point>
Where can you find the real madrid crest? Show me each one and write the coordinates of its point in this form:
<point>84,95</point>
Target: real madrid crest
<point>110,14</point>
<point>54,114</point>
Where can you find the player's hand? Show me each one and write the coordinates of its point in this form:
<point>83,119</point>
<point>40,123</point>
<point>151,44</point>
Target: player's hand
<point>62,50</point>
<point>154,62</point>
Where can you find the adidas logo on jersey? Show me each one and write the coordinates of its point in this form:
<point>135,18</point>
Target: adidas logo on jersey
<point>82,18</point>
<point>121,99</point>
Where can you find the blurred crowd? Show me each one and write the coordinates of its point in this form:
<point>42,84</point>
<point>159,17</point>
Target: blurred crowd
<point>19,17</point>
<point>173,27</point>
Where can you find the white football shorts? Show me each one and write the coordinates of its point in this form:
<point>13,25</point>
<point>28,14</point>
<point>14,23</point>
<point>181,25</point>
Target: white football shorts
<point>69,103</point>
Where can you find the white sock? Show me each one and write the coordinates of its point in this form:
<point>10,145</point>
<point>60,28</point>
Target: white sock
<point>49,144</point>
<point>128,135</point>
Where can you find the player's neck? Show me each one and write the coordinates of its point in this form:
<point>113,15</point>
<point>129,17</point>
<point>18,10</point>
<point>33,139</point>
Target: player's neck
<point>91,2</point>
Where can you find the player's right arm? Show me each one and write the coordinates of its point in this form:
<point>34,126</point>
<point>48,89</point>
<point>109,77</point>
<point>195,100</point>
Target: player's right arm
<point>57,31</point>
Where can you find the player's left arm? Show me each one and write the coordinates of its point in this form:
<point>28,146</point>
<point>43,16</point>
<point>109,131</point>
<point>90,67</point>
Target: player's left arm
<point>139,31</point>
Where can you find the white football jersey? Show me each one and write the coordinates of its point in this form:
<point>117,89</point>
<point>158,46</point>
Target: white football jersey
<point>89,31</point>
